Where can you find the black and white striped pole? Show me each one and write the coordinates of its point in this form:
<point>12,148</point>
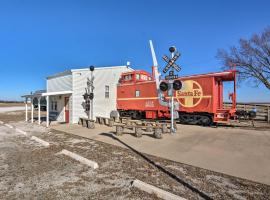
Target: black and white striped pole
<point>172,50</point>
<point>89,94</point>
<point>173,84</point>
<point>92,91</point>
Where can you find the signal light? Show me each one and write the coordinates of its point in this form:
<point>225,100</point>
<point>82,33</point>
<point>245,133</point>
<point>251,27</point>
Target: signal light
<point>172,49</point>
<point>177,85</point>
<point>84,96</point>
<point>91,96</point>
<point>91,68</point>
<point>163,86</point>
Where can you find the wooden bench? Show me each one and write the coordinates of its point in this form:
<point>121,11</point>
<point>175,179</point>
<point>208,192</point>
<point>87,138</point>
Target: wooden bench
<point>85,122</point>
<point>164,125</point>
<point>139,129</point>
<point>124,119</point>
<point>105,120</point>
<point>53,115</point>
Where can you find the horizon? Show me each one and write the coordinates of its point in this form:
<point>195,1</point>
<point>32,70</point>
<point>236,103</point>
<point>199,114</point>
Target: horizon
<point>40,39</point>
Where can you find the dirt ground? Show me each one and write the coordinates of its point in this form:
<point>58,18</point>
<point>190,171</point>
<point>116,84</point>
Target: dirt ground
<point>11,104</point>
<point>31,171</point>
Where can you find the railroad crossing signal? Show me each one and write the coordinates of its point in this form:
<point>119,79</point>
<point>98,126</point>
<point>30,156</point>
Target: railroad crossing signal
<point>171,76</point>
<point>171,62</point>
<point>171,84</point>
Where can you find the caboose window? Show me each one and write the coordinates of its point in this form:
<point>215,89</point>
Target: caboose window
<point>107,91</point>
<point>137,76</point>
<point>137,93</point>
<point>128,77</point>
<point>144,77</point>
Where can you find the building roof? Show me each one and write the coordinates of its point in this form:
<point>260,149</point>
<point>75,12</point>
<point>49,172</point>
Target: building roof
<point>69,72</point>
<point>64,73</point>
<point>37,93</point>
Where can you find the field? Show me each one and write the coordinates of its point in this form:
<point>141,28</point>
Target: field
<point>10,104</point>
<point>30,171</point>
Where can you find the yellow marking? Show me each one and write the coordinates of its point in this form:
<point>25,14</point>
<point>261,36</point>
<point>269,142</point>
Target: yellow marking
<point>137,98</point>
<point>188,93</point>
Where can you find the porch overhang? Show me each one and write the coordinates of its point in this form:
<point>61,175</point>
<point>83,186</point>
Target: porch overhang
<point>57,93</point>
<point>38,95</point>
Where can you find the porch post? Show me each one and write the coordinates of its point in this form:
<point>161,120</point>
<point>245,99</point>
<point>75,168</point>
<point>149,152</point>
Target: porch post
<point>38,110</point>
<point>47,108</point>
<point>26,109</point>
<point>32,110</point>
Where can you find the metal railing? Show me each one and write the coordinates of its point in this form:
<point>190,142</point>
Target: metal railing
<point>262,109</point>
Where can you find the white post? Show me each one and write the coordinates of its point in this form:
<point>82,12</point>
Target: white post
<point>26,109</point>
<point>172,103</point>
<point>38,110</point>
<point>32,110</point>
<point>47,108</point>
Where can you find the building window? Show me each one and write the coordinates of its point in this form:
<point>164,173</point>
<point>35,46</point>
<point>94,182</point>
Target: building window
<point>54,105</point>
<point>137,93</point>
<point>107,91</point>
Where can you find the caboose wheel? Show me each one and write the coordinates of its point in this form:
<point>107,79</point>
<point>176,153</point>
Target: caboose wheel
<point>158,133</point>
<point>206,121</point>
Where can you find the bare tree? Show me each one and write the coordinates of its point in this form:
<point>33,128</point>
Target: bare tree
<point>251,58</point>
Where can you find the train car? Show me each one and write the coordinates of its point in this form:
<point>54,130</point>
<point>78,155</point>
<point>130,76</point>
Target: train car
<point>200,99</point>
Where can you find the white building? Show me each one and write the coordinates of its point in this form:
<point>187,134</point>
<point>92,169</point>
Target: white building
<point>65,93</point>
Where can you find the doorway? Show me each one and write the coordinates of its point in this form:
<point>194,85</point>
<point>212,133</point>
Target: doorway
<point>67,109</point>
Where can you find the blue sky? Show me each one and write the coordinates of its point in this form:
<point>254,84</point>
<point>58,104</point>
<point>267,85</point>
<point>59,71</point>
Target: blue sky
<point>40,38</point>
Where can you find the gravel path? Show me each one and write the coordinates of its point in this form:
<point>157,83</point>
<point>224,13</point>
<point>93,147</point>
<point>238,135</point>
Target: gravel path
<point>31,171</point>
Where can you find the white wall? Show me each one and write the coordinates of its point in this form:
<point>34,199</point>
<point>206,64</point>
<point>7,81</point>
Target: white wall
<point>103,76</point>
<point>61,83</point>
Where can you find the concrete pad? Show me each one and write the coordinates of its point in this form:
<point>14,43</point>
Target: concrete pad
<point>154,190</point>
<point>42,142</point>
<point>237,152</point>
<point>79,158</point>
<point>9,126</point>
<point>21,131</point>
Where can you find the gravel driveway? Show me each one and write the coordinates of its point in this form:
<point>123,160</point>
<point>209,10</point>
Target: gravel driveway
<point>31,171</point>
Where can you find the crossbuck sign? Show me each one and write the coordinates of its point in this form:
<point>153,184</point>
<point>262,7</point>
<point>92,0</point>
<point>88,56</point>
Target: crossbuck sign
<point>171,62</point>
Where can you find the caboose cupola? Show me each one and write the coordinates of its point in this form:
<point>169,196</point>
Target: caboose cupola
<point>135,76</point>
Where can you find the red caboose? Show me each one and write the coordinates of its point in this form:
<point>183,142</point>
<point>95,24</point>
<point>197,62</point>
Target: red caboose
<point>200,99</point>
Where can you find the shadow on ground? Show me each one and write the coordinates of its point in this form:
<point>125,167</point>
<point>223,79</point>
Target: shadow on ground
<point>159,167</point>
